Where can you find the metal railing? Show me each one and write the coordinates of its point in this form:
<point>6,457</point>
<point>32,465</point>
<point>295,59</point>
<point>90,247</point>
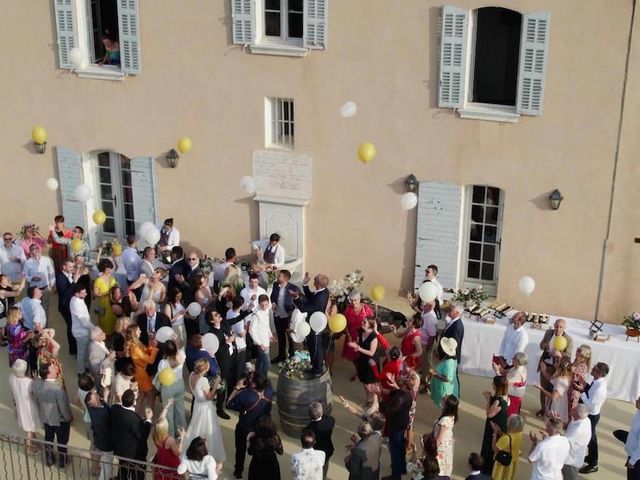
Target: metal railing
<point>21,458</point>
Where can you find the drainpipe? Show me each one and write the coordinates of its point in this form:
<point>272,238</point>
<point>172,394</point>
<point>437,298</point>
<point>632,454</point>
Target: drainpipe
<point>614,175</point>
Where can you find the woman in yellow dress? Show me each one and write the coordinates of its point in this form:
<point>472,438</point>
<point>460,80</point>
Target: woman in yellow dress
<point>507,442</point>
<point>101,288</point>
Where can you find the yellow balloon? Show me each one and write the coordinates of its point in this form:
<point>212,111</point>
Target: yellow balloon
<point>377,293</point>
<point>337,323</point>
<point>184,145</point>
<point>560,343</point>
<point>167,376</point>
<point>99,217</point>
<point>367,152</point>
<point>39,135</point>
<point>116,249</point>
<point>77,245</point>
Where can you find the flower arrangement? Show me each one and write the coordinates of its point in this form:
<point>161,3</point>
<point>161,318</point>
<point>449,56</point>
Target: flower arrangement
<point>469,295</point>
<point>339,290</point>
<point>295,366</point>
<point>632,321</point>
<point>27,226</point>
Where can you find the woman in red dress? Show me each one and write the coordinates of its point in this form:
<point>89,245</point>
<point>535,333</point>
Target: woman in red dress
<point>355,313</point>
<point>411,346</point>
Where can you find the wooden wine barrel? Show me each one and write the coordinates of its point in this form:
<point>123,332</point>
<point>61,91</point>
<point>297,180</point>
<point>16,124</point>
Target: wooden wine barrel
<point>295,395</point>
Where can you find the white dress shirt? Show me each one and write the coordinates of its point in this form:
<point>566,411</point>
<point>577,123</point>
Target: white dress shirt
<point>174,237</point>
<point>307,464</point>
<point>278,255</point>
<point>80,320</point>
<point>32,313</point>
<point>42,268</point>
<point>12,260</point>
<point>632,446</point>
<point>238,329</point>
<point>596,396</point>
<point>132,262</point>
<point>247,293</point>
<point>579,434</point>
<point>437,283</point>
<point>260,329</point>
<point>514,341</point>
<point>429,326</point>
<point>548,458</point>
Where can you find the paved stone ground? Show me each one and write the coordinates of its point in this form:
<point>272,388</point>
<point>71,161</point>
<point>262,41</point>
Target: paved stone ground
<point>467,433</point>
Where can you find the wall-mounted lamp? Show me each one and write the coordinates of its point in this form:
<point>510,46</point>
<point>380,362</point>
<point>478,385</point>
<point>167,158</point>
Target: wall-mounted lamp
<point>411,183</point>
<point>172,158</point>
<point>555,198</point>
<point>39,136</point>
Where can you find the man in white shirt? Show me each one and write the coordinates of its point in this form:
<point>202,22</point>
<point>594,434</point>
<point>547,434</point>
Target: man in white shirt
<point>33,315</point>
<point>515,340</point>
<point>273,253</point>
<point>594,396</point>
<point>252,293</point>
<point>308,463</point>
<point>260,331</point>
<point>131,260</point>
<point>12,258</point>
<point>220,269</point>
<point>80,326</point>
<point>548,454</point>
<point>39,272</point>
<point>428,334</point>
<point>579,434</point>
<point>632,446</point>
<point>169,237</point>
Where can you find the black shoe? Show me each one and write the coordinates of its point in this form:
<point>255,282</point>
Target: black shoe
<point>277,360</point>
<point>589,469</point>
<point>49,459</point>
<point>237,475</point>
<point>62,462</point>
<point>223,414</point>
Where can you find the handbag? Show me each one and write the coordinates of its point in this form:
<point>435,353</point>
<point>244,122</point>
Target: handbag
<point>503,457</point>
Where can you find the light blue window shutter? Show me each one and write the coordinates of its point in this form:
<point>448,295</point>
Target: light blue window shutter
<point>145,195</point>
<point>64,12</point>
<point>69,177</point>
<point>129,23</point>
<point>534,46</point>
<point>438,231</point>
<point>242,21</point>
<point>453,48</point>
<point>315,23</point>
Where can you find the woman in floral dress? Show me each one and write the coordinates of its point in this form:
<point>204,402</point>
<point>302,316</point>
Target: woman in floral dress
<point>17,336</point>
<point>443,434</point>
<point>580,368</point>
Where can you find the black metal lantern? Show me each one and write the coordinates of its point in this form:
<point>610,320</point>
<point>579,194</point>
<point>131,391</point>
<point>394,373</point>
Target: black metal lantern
<point>555,198</point>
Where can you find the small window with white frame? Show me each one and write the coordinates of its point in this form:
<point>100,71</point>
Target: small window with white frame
<point>98,38</point>
<point>280,27</point>
<point>493,62</point>
<point>279,123</point>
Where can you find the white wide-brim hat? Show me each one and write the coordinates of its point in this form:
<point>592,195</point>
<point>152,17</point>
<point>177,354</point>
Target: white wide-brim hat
<point>449,346</point>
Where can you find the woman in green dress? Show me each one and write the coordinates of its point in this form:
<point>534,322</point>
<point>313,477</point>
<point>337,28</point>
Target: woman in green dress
<point>443,379</point>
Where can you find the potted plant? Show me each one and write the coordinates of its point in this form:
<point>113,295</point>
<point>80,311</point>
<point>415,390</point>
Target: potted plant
<point>632,323</point>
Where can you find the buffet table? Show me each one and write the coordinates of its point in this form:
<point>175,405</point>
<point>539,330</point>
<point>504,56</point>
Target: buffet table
<point>482,340</point>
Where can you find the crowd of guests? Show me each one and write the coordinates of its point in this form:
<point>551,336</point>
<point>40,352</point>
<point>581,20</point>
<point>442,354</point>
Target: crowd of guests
<point>119,309</point>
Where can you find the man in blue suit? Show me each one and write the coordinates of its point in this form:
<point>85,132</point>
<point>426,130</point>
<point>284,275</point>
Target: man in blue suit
<point>310,303</point>
<point>282,301</point>
<point>454,328</point>
<point>65,281</point>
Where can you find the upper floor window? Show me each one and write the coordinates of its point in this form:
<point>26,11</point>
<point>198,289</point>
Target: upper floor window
<point>99,38</point>
<point>279,123</point>
<point>280,27</point>
<point>493,62</point>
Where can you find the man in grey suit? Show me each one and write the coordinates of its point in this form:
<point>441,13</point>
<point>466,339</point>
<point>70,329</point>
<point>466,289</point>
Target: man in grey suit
<point>363,463</point>
<point>55,412</point>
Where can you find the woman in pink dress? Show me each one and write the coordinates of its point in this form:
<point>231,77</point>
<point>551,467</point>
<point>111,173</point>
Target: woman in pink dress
<point>355,313</point>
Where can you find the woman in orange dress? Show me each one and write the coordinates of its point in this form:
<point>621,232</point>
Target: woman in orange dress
<point>142,357</point>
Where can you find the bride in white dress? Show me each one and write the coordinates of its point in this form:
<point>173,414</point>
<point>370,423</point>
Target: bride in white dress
<point>204,421</point>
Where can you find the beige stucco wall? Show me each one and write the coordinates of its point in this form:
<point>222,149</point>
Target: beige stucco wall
<point>382,55</point>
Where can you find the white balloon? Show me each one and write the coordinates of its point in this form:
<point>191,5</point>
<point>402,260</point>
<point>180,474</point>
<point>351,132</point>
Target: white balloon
<point>527,285</point>
<point>76,57</point>
<point>349,109</point>
<point>164,334</point>
<point>248,185</point>
<point>194,309</point>
<point>318,322</point>
<point>152,236</point>
<point>144,228</point>
<point>303,329</point>
<point>428,291</point>
<point>210,343</point>
<point>409,201</point>
<point>52,184</point>
<point>82,193</point>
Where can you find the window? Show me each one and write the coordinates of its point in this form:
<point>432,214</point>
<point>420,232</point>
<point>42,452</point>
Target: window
<point>280,27</point>
<point>279,123</point>
<point>493,62</point>
<point>115,194</point>
<point>98,38</point>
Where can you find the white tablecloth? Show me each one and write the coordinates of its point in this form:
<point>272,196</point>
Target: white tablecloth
<point>482,340</point>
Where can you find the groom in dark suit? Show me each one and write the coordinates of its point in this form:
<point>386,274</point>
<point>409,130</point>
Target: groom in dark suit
<point>282,300</point>
<point>65,282</point>
<point>310,303</point>
<point>150,322</point>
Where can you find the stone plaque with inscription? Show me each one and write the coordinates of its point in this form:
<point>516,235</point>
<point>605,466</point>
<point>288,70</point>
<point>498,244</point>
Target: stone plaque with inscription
<point>282,174</point>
